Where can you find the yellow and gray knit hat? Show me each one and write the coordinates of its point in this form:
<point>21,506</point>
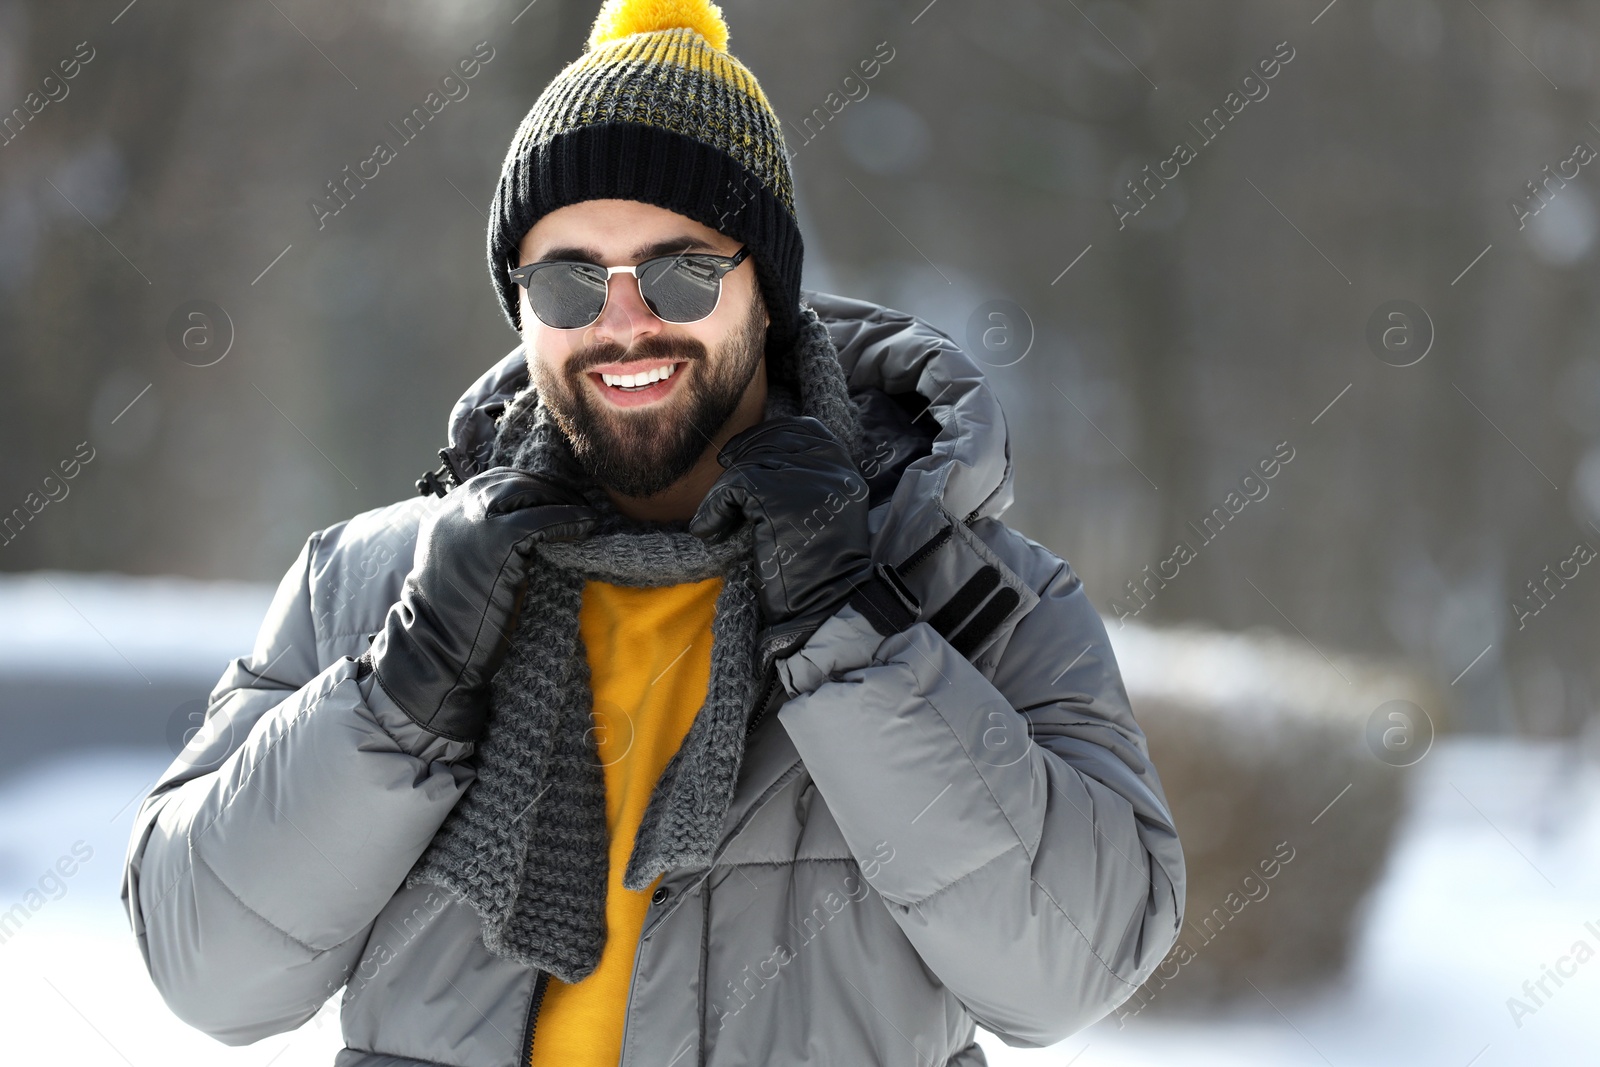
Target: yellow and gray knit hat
<point>656,110</point>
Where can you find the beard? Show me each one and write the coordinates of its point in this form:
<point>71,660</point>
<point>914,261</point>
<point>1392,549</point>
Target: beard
<point>639,452</point>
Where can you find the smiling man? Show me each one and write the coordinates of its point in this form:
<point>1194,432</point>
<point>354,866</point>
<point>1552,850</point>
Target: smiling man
<point>645,403</point>
<point>701,710</point>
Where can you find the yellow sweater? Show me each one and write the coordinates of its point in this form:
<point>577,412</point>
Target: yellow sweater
<point>649,653</point>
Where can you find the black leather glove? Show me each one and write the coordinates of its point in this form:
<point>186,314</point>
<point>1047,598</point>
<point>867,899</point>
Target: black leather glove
<point>796,482</point>
<point>447,634</point>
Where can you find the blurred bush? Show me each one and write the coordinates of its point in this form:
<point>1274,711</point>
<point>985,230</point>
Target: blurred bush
<point>1286,773</point>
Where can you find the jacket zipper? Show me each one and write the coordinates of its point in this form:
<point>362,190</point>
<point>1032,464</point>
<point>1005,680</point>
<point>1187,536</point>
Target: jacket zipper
<point>762,702</point>
<point>915,560</point>
<point>705,955</point>
<point>533,1018</point>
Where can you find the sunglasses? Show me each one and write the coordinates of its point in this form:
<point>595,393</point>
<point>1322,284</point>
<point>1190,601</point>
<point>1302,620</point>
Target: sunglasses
<point>680,288</point>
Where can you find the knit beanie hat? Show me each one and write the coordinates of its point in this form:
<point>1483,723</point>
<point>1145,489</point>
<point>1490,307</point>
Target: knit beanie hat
<point>656,110</point>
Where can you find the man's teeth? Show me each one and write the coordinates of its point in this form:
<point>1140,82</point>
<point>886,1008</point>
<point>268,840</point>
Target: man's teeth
<point>634,381</point>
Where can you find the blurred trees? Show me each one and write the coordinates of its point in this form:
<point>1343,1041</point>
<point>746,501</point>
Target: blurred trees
<point>976,166</point>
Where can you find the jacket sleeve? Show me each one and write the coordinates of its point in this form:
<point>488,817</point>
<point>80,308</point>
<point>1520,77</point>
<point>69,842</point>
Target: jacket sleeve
<point>1035,868</point>
<point>261,858</point>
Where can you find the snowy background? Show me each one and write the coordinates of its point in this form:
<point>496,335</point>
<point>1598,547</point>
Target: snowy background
<point>1479,895</point>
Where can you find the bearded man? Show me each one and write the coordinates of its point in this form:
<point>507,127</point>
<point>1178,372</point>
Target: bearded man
<point>702,710</point>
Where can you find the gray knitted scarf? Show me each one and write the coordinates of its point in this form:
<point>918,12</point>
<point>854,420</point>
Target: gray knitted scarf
<point>527,846</point>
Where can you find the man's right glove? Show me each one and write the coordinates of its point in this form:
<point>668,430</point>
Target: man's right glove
<point>447,634</point>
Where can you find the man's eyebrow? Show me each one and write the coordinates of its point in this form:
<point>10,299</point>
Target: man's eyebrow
<point>682,243</point>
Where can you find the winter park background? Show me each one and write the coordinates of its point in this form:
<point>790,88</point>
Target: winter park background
<point>1371,671</point>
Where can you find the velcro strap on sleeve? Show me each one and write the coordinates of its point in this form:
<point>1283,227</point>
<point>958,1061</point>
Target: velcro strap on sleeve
<point>885,601</point>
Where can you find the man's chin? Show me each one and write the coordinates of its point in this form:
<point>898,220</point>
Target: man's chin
<point>644,459</point>
<point>642,474</point>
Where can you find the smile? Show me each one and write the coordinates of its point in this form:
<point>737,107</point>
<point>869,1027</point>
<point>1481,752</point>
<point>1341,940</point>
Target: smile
<point>635,387</point>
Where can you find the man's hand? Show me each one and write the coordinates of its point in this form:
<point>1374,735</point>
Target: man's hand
<point>796,483</point>
<point>443,640</point>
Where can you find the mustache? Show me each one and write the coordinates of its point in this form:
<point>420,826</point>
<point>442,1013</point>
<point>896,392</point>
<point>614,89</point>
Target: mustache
<point>650,350</point>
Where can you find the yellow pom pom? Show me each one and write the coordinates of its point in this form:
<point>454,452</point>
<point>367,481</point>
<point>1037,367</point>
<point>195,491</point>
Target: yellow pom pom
<point>619,18</point>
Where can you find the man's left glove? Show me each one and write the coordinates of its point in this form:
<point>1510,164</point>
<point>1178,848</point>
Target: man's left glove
<point>796,483</point>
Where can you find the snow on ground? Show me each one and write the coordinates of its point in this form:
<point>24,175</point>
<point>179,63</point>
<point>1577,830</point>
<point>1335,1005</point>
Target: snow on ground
<point>72,978</point>
<point>1494,876</point>
<point>55,623</point>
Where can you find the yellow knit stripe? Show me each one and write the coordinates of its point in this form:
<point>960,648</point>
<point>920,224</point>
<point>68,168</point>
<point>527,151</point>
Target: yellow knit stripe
<point>680,47</point>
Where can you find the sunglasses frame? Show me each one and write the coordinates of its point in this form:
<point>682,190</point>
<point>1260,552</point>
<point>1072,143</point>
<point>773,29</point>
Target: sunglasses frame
<point>722,265</point>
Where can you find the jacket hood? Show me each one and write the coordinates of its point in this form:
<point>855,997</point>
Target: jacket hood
<point>933,426</point>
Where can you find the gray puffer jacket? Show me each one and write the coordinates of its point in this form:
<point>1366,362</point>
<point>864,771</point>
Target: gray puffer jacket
<point>957,825</point>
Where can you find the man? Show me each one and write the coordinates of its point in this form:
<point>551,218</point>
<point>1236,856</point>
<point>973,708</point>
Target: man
<point>704,712</point>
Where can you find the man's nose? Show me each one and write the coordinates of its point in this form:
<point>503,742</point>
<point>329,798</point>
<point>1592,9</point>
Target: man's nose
<point>626,317</point>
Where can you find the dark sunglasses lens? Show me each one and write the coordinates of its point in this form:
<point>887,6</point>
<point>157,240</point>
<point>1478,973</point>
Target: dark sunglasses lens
<point>566,296</point>
<point>680,288</point>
